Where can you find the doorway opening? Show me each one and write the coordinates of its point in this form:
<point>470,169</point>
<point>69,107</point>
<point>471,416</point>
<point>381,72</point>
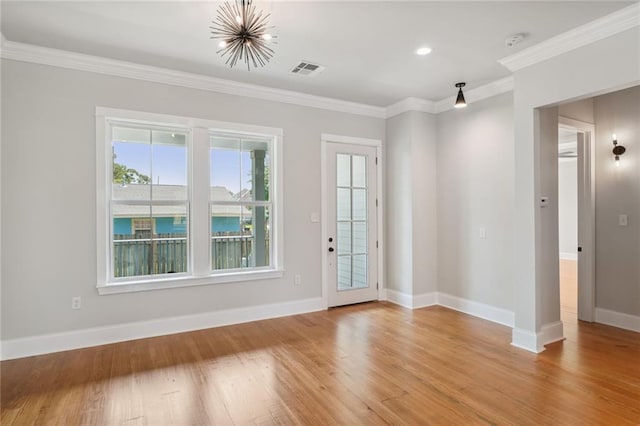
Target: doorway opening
<point>576,219</point>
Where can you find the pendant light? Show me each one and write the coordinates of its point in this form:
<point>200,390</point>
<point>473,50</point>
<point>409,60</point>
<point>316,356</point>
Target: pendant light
<point>460,102</point>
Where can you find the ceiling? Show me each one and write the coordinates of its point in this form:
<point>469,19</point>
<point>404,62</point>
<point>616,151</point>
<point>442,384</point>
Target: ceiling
<point>366,47</point>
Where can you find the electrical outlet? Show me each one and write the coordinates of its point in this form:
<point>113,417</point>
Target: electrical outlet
<point>297,279</point>
<point>76,302</point>
<point>483,232</point>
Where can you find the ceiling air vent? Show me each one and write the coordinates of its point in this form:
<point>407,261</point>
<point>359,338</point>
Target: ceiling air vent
<point>307,68</point>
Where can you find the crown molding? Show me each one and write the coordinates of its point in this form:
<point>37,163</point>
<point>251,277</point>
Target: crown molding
<point>410,104</point>
<point>81,62</point>
<point>583,35</point>
<point>76,61</point>
<point>489,90</point>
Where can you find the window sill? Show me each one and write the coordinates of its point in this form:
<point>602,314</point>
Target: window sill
<point>189,281</point>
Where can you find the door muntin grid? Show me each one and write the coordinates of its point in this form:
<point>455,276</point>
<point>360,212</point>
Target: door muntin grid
<point>351,221</point>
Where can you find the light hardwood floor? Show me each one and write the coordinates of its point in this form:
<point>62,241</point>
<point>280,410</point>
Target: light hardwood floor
<point>369,364</point>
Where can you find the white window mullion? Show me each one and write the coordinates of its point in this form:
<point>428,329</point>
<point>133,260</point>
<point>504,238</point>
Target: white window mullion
<point>200,215</point>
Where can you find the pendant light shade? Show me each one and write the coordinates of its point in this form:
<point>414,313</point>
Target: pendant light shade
<point>460,102</point>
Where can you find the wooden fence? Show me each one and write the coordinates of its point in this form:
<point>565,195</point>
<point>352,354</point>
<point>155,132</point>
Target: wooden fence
<point>167,253</point>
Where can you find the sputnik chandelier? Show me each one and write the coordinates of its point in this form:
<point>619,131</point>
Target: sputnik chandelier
<point>244,34</point>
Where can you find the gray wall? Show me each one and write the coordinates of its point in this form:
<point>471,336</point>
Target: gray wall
<point>475,189</point>
<point>568,76</point>
<point>411,223</point>
<point>618,192</point>
<point>48,197</point>
<point>568,207</point>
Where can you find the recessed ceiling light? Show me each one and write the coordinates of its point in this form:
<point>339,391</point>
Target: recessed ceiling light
<point>423,51</point>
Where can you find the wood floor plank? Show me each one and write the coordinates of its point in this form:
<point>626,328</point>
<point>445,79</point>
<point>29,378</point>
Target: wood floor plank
<point>370,364</point>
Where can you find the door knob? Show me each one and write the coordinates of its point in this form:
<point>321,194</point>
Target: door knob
<point>331,249</point>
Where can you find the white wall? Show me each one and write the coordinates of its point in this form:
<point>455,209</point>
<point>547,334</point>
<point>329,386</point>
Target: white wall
<point>597,68</point>
<point>411,227</point>
<point>618,192</point>
<point>399,205</point>
<point>568,207</point>
<point>48,197</point>
<point>475,190</point>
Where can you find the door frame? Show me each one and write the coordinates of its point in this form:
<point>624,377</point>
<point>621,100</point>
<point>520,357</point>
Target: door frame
<point>586,211</point>
<point>325,139</point>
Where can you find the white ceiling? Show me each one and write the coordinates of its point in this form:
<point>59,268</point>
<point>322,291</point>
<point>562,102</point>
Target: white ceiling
<point>367,47</point>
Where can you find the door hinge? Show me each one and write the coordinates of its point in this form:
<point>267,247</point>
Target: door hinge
<point>376,161</point>
<point>376,202</point>
<point>377,286</point>
<point>376,244</point>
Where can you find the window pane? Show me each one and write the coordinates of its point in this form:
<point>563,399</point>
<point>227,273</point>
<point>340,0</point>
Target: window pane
<point>359,171</point>
<point>239,236</point>
<point>344,204</point>
<point>344,238</point>
<point>343,167</point>
<point>359,237</point>
<point>149,240</point>
<point>240,165</point>
<point>131,171</point>
<point>344,272</point>
<point>169,171</point>
<point>225,171</point>
<point>359,204</point>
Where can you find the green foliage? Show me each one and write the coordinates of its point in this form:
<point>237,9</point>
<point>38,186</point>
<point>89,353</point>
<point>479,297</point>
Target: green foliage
<point>124,175</point>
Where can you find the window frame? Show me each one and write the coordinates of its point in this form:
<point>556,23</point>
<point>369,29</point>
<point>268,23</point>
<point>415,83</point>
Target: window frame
<point>199,270</point>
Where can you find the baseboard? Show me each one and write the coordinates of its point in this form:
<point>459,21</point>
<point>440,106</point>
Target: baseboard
<point>477,309</point>
<point>618,319</point>
<point>569,256</point>
<point>410,301</point>
<point>527,340</point>
<point>553,332</point>
<point>48,343</point>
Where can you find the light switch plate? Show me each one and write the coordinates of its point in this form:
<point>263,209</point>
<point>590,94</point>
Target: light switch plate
<point>623,220</point>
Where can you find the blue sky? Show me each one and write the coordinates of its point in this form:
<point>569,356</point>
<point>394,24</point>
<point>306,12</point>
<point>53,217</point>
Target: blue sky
<point>229,168</point>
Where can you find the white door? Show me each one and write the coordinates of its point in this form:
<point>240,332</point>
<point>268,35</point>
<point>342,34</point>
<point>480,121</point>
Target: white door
<point>352,259</point>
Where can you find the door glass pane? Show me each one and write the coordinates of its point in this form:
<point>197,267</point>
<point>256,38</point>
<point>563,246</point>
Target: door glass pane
<point>344,204</point>
<point>359,204</point>
<point>359,171</point>
<point>359,271</point>
<point>360,237</point>
<point>344,272</point>
<point>343,168</point>
<point>344,237</point>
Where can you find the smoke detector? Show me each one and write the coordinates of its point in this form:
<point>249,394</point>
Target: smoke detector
<point>307,68</point>
<point>514,39</point>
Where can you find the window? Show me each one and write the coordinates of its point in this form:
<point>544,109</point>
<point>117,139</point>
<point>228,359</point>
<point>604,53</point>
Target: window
<point>183,201</point>
<point>240,205</point>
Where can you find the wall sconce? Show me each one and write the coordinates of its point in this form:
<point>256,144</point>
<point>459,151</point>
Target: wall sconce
<point>618,150</point>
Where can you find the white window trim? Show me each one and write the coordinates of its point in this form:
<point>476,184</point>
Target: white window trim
<point>200,269</point>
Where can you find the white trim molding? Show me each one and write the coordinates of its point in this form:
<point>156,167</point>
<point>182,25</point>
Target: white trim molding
<point>618,319</point>
<point>601,28</point>
<point>477,309</point>
<point>411,301</point>
<point>57,342</point>
<point>466,306</point>
<point>552,332</point>
<point>527,340</point>
<point>410,104</point>
<point>64,59</point>
<point>487,91</point>
<point>568,256</point>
